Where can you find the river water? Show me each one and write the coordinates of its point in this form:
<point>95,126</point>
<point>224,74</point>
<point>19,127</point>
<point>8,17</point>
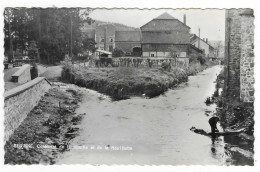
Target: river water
<point>152,131</point>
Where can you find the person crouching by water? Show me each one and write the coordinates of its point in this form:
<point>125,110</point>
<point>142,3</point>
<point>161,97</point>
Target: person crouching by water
<point>213,124</point>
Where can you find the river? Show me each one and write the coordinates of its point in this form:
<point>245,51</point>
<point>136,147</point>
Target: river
<point>152,131</point>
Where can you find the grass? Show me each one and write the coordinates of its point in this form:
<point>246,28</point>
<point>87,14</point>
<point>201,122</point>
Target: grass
<point>122,82</point>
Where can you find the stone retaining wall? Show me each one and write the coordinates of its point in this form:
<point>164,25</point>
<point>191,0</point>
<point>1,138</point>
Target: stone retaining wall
<point>20,101</point>
<point>247,58</point>
<point>239,55</point>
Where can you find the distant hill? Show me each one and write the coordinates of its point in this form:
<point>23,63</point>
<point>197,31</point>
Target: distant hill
<point>118,26</point>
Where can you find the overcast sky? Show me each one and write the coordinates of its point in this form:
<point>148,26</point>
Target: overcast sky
<point>211,22</point>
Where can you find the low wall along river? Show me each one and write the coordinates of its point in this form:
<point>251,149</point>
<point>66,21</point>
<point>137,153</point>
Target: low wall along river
<point>20,101</point>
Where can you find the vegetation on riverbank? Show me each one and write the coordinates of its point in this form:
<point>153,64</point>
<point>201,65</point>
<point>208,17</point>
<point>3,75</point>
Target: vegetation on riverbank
<point>47,129</point>
<point>123,82</point>
<point>234,114</point>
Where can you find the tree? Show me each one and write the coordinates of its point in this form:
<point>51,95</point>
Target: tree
<point>218,48</point>
<point>55,31</point>
<point>89,45</point>
<point>118,52</point>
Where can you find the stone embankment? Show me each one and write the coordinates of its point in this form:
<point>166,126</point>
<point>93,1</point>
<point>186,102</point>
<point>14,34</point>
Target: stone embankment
<point>20,101</point>
<point>47,129</point>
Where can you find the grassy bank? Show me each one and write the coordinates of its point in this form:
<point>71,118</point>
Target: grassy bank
<point>123,82</point>
<point>47,129</point>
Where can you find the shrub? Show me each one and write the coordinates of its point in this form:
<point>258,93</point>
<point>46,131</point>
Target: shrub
<point>208,101</point>
<point>201,60</point>
<point>34,71</point>
<point>216,94</point>
<point>118,53</point>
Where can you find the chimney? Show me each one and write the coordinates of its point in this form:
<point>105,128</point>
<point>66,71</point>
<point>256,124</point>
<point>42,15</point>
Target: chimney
<point>184,18</point>
<point>206,40</point>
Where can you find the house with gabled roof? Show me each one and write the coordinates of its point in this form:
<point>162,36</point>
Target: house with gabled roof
<point>204,45</point>
<point>165,34</point>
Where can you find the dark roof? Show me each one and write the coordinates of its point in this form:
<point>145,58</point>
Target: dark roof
<point>164,19</point>
<point>165,16</point>
<point>128,36</point>
<point>194,37</point>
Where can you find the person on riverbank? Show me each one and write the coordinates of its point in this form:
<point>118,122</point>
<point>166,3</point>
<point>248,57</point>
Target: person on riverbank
<point>213,124</point>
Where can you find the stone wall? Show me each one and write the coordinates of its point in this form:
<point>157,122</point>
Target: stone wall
<point>247,58</point>
<point>23,75</point>
<point>20,101</point>
<point>239,56</point>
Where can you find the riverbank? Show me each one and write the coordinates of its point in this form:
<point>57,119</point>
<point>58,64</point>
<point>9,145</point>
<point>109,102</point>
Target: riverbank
<point>235,115</point>
<point>47,129</point>
<point>124,82</point>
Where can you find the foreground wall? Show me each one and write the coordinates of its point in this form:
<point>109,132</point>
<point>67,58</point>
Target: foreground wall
<point>239,55</point>
<point>20,101</point>
<point>247,57</point>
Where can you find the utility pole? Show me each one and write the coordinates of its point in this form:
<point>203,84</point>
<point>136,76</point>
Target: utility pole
<point>70,36</point>
<point>105,39</point>
<point>199,39</point>
<point>10,37</point>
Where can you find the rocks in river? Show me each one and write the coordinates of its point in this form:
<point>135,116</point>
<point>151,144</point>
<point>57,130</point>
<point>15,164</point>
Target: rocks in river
<point>77,118</point>
<point>72,129</point>
<point>72,132</point>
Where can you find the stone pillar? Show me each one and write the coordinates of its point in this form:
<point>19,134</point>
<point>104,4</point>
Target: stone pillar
<point>232,53</point>
<point>247,56</point>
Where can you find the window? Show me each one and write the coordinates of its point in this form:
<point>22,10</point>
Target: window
<point>152,55</point>
<point>111,39</point>
<point>102,40</point>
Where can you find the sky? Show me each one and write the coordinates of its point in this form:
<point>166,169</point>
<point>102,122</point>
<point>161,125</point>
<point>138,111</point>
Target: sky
<point>211,21</point>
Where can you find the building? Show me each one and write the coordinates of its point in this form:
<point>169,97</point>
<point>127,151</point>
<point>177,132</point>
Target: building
<point>105,37</point>
<point>204,45</point>
<point>239,55</point>
<point>129,42</point>
<point>109,35</point>
<point>164,35</point>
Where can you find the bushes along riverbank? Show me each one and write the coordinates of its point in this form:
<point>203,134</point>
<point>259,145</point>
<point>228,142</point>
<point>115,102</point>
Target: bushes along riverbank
<point>123,82</point>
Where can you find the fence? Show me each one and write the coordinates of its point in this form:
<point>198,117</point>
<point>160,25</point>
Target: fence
<point>131,62</point>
